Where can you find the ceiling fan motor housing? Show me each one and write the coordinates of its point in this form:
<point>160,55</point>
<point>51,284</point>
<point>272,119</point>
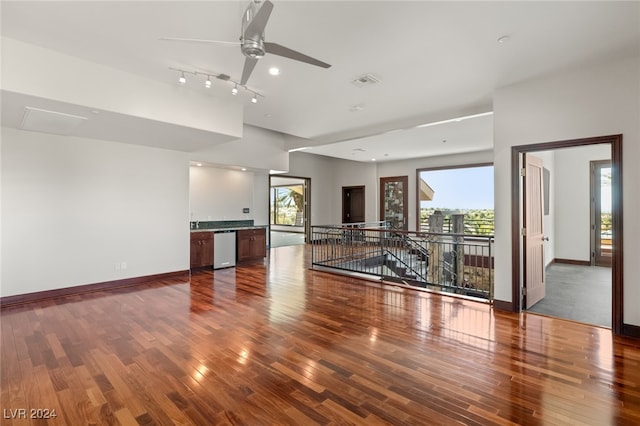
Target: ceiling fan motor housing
<point>253,48</point>
<point>252,45</point>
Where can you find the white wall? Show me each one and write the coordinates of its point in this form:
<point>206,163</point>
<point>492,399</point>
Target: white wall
<point>409,168</point>
<point>328,176</point>
<point>258,149</point>
<point>320,170</point>
<point>572,200</point>
<point>1,258</point>
<point>220,194</point>
<point>355,173</point>
<point>578,103</point>
<point>260,208</point>
<point>73,208</point>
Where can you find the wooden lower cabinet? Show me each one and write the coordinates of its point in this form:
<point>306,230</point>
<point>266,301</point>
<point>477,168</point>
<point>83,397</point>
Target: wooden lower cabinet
<point>201,249</point>
<point>251,244</point>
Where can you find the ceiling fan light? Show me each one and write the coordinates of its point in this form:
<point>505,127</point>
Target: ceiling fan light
<point>207,83</point>
<point>182,80</point>
<point>234,91</point>
<point>254,99</point>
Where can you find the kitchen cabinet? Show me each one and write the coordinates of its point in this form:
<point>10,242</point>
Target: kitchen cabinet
<point>201,249</point>
<point>251,244</point>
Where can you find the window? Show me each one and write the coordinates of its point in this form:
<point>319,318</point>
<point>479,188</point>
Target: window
<point>287,205</point>
<point>464,190</point>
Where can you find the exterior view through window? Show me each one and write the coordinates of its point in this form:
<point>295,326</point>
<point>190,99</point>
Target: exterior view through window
<point>287,205</point>
<point>462,190</point>
<point>602,212</point>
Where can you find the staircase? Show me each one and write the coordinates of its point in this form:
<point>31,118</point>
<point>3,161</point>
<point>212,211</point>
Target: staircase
<point>411,267</point>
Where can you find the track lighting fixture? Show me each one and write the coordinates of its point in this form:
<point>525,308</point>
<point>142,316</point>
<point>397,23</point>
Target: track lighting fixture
<point>208,83</point>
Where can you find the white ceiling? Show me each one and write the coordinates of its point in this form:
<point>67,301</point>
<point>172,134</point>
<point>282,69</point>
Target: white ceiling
<point>435,60</point>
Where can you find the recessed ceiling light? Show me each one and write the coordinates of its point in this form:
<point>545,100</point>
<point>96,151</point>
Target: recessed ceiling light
<point>503,39</point>
<point>274,71</point>
<point>373,159</point>
<point>199,164</point>
<point>243,169</point>
<point>356,108</point>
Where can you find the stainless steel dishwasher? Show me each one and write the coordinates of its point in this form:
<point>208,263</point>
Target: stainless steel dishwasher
<point>224,249</point>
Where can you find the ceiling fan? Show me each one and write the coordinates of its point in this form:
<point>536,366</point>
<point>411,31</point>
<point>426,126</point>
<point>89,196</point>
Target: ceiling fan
<point>252,42</point>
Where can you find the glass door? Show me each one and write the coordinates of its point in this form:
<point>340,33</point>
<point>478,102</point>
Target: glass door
<point>601,212</point>
<point>393,201</point>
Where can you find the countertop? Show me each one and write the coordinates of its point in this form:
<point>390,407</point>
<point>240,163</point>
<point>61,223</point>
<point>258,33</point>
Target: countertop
<point>231,228</point>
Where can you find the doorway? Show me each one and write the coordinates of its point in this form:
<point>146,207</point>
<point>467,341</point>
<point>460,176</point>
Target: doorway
<point>520,264</point>
<point>289,210</point>
<point>353,206</point>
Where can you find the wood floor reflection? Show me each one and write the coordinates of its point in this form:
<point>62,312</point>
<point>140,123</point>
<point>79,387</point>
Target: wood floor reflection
<point>277,343</point>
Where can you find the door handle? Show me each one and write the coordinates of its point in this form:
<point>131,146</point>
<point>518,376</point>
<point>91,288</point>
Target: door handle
<point>545,238</point>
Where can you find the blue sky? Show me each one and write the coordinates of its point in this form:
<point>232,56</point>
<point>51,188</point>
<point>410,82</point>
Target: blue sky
<point>457,189</point>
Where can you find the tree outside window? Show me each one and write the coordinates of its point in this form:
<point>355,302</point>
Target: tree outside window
<point>287,204</point>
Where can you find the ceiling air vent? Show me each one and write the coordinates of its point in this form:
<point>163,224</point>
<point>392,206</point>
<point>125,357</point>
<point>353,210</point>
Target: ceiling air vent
<point>365,80</point>
<point>42,120</point>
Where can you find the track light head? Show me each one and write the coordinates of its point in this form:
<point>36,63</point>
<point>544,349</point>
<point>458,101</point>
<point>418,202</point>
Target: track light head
<point>208,83</point>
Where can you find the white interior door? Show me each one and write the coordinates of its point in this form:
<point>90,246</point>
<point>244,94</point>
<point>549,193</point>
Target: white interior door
<point>533,241</point>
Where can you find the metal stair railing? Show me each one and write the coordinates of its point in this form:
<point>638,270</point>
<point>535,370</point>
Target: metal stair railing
<point>453,263</point>
<point>410,242</point>
<point>415,275</point>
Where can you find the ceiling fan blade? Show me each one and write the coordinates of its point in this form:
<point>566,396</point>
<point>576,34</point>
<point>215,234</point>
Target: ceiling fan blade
<point>199,40</point>
<point>256,27</point>
<point>277,49</point>
<point>249,65</point>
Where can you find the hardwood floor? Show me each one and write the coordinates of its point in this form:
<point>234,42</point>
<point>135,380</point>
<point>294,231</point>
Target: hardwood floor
<point>277,343</point>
